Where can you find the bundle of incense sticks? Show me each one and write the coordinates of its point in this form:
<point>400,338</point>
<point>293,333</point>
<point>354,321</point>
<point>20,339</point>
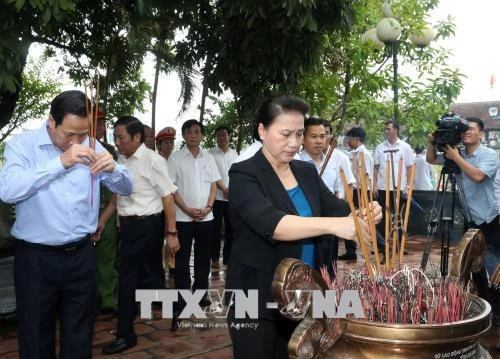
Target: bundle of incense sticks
<point>363,245</point>
<point>404,297</point>
<point>92,94</point>
<point>393,221</point>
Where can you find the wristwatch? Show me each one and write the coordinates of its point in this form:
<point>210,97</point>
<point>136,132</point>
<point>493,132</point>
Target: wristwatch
<point>174,233</point>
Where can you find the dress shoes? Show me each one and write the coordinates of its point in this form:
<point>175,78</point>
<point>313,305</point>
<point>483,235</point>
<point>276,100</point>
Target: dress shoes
<point>117,346</point>
<point>348,257</point>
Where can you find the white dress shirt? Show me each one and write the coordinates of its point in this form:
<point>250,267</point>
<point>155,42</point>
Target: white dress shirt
<point>194,178</point>
<point>224,160</point>
<point>423,173</point>
<point>151,183</point>
<point>341,161</point>
<point>249,151</point>
<point>380,158</point>
<point>330,175</point>
<point>368,163</point>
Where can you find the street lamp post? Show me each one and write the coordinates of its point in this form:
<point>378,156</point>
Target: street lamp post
<point>387,35</point>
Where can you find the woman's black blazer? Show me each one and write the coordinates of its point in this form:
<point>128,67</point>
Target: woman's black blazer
<point>257,202</point>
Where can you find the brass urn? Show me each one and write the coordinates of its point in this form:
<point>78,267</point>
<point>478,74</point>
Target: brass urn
<point>338,338</point>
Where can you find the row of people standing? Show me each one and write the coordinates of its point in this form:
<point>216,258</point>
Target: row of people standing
<point>53,176</point>
<point>191,177</point>
<point>316,140</point>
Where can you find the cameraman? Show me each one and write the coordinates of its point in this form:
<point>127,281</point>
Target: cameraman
<point>478,166</point>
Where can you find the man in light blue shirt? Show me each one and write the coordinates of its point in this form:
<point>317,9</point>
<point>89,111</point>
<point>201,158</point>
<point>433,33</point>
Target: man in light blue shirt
<point>54,177</point>
<point>478,166</point>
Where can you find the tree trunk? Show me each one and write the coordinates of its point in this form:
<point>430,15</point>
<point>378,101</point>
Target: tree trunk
<point>347,91</point>
<point>241,132</point>
<point>155,94</point>
<point>204,92</point>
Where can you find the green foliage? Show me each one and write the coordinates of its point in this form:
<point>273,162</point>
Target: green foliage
<point>227,116</point>
<point>264,44</point>
<point>40,86</point>
<point>18,19</point>
<point>128,97</point>
<point>351,86</point>
<point>254,48</point>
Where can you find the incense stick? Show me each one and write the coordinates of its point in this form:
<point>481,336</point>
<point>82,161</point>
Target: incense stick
<point>356,223</point>
<point>333,142</point>
<point>369,210</point>
<point>92,113</point>
<point>407,213</point>
<point>387,212</point>
<point>397,221</point>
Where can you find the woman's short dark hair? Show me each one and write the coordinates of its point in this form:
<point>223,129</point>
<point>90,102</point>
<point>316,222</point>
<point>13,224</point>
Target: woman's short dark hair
<point>72,102</point>
<point>273,107</point>
<point>190,123</point>
<point>132,125</point>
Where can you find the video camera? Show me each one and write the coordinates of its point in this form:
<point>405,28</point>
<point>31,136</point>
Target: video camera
<point>449,128</point>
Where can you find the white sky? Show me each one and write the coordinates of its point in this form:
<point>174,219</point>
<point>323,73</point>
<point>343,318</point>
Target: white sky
<point>476,53</point>
<point>474,47</point>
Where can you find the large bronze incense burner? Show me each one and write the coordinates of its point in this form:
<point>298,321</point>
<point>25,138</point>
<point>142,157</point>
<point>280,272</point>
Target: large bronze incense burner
<point>350,338</point>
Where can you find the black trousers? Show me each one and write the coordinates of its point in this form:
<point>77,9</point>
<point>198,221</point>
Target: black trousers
<point>260,338</point>
<point>153,276</point>
<point>381,225</point>
<point>201,233</point>
<point>138,236</point>
<point>53,284</point>
<point>221,210</point>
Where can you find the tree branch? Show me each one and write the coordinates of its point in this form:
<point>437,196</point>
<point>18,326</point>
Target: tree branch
<point>46,41</point>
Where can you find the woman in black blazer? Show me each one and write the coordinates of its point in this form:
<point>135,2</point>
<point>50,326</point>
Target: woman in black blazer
<point>269,224</point>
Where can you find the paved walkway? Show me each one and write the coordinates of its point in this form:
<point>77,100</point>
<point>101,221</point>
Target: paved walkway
<point>157,341</point>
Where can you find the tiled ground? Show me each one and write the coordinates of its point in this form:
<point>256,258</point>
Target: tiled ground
<point>157,341</point>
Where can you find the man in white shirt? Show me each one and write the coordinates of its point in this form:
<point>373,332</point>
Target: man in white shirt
<point>356,141</point>
<point>146,217</point>
<point>312,152</point>
<point>224,157</point>
<point>400,150</point>
<point>165,141</point>
<point>339,160</point>
<point>149,140</point>
<point>195,172</point>
<point>423,172</point>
